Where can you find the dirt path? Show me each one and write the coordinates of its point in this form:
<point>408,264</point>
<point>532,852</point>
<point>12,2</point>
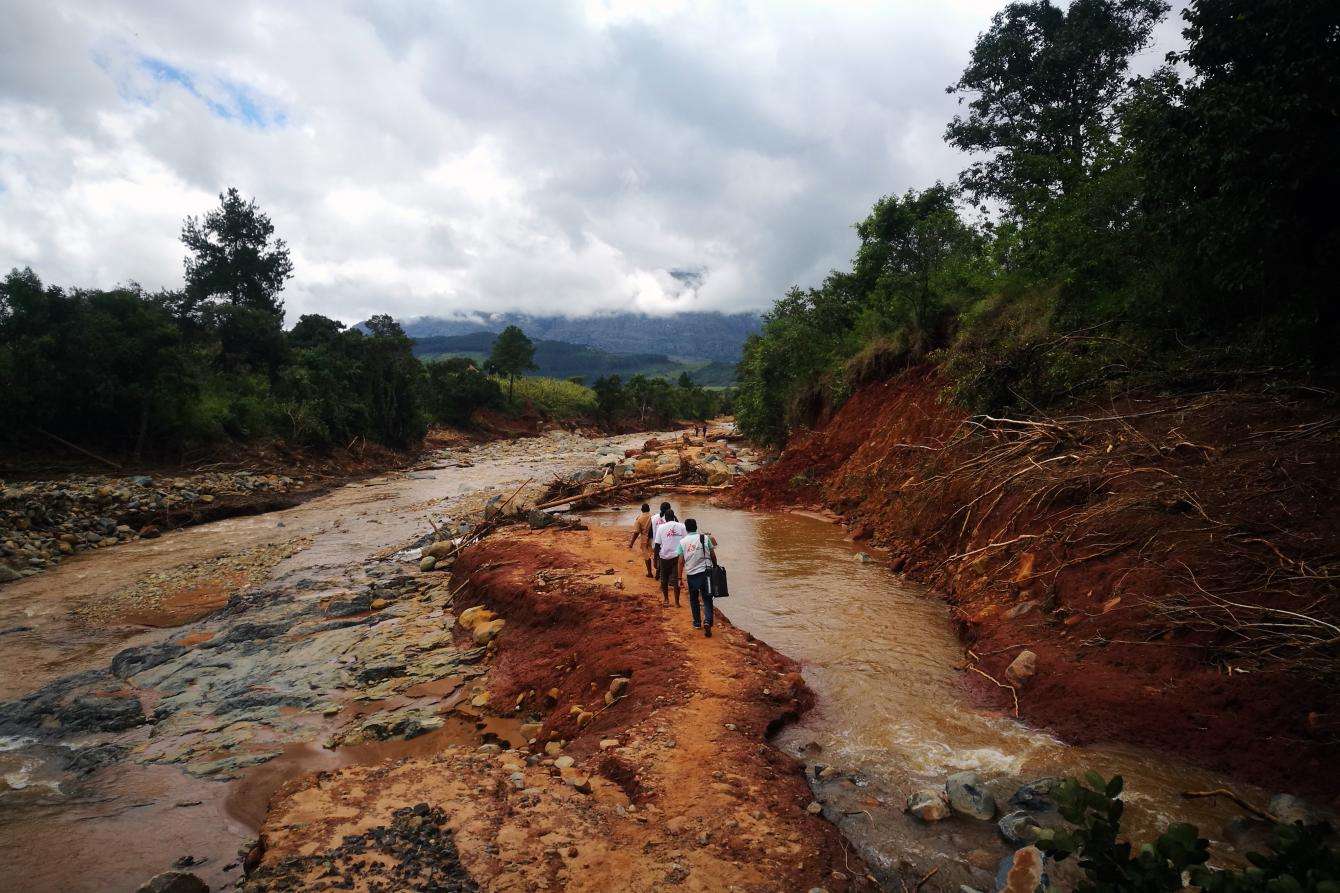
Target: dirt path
<point>669,785</point>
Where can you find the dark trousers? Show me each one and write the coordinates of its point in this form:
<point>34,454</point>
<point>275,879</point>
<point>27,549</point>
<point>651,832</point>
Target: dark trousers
<point>697,590</point>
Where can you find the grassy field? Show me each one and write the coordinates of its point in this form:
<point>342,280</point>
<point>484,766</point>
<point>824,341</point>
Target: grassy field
<point>555,397</point>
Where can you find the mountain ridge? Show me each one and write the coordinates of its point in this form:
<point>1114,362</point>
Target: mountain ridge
<point>711,335</point>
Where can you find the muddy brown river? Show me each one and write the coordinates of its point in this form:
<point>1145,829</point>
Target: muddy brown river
<point>104,809</point>
<point>886,665</point>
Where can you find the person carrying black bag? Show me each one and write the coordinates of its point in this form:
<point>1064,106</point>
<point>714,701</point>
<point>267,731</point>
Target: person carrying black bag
<point>699,553</point>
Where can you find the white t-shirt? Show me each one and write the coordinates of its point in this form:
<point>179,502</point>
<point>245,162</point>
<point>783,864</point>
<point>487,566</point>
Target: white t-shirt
<point>694,549</point>
<point>668,534</point>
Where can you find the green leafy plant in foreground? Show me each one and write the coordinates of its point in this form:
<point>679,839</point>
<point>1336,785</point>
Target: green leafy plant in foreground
<point>1301,862</point>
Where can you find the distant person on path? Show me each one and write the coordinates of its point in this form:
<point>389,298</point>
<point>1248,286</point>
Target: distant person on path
<point>668,534</point>
<point>698,552</point>
<point>642,528</point>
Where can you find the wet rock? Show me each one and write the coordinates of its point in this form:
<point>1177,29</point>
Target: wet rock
<point>1290,810</point>
<point>174,882</point>
<point>1023,668</point>
<point>1248,835</point>
<point>348,607</point>
<point>87,760</point>
<point>1022,872</point>
<point>135,660</point>
<point>1036,796</point>
<point>379,671</point>
<point>428,563</point>
<point>8,574</point>
<point>539,520</point>
<point>968,797</point>
<point>929,805</point>
<point>1018,827</point>
<point>99,713</point>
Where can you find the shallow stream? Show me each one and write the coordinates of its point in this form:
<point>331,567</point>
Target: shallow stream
<point>882,657</point>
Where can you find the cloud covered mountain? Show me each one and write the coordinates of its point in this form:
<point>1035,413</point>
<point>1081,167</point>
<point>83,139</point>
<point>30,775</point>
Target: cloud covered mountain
<point>713,336</point>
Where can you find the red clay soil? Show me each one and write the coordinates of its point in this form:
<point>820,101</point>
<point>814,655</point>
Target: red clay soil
<point>1169,559</point>
<point>671,786</point>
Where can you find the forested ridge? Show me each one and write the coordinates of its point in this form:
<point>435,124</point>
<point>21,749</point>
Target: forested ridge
<point>1112,231</point>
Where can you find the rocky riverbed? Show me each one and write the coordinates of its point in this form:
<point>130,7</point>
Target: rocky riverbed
<point>43,522</point>
<point>170,684</point>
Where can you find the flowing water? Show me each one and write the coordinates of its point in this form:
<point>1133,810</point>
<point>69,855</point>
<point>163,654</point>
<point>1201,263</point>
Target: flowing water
<point>884,661</point>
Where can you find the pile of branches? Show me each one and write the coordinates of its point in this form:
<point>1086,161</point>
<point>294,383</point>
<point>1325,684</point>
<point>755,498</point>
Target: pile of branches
<point>1181,527</point>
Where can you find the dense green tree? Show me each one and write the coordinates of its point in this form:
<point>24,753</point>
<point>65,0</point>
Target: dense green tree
<point>457,387</point>
<point>1043,86</point>
<point>923,257</point>
<point>1242,171</point>
<point>513,353</point>
<point>235,270</point>
<point>233,256</point>
<point>611,398</point>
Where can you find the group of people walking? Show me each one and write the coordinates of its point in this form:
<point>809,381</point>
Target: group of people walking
<point>677,552</point>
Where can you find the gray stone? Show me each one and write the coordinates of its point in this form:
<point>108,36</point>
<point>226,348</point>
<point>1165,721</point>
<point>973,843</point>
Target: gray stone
<point>98,713</point>
<point>1022,668</point>
<point>1036,796</point>
<point>1290,810</point>
<point>968,797</point>
<point>1018,827</point>
<point>174,882</point>
<point>8,574</point>
<point>929,805</point>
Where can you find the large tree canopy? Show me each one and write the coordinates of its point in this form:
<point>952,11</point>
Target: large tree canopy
<point>1043,85</point>
<point>233,256</point>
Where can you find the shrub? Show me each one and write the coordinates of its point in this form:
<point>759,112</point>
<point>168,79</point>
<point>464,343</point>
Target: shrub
<point>1300,861</point>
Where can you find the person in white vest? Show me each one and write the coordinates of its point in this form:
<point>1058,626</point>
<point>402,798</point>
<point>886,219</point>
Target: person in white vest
<point>698,553</point>
<point>668,534</point>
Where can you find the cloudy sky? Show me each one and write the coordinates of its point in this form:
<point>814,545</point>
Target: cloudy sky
<point>432,157</point>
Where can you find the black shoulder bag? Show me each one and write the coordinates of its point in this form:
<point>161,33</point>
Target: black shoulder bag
<point>716,574</point>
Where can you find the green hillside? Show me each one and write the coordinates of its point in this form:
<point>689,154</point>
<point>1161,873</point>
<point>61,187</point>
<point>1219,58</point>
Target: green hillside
<point>562,359</point>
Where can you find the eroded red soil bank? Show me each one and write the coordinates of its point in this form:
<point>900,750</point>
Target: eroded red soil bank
<point>1169,559</point>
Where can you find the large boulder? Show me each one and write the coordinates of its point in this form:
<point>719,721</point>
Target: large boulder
<point>968,797</point>
<point>929,805</point>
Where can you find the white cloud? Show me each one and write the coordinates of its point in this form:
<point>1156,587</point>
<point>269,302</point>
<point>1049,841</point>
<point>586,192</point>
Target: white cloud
<point>423,159</point>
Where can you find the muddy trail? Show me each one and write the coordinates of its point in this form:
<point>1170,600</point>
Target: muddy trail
<point>156,693</point>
